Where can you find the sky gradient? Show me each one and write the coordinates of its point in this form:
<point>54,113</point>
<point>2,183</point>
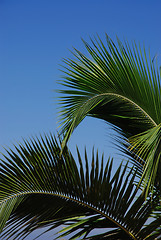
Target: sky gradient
<point>34,37</point>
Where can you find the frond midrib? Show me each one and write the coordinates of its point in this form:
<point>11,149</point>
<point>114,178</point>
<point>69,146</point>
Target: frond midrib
<point>84,204</point>
<point>126,99</point>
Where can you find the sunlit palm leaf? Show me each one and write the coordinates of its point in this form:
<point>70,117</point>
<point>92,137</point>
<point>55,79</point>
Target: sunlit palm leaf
<point>117,84</point>
<point>119,75</point>
<point>39,188</point>
<point>147,145</point>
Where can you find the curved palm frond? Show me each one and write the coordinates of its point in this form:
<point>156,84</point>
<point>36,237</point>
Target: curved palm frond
<point>143,150</point>
<point>117,84</point>
<point>39,188</point>
<point>120,76</point>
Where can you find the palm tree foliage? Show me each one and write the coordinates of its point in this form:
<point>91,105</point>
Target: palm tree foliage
<point>121,85</point>
<point>39,187</point>
<point>42,185</point>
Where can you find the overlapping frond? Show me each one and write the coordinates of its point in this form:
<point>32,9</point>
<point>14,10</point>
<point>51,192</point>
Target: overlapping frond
<point>147,146</point>
<point>143,150</point>
<point>39,187</point>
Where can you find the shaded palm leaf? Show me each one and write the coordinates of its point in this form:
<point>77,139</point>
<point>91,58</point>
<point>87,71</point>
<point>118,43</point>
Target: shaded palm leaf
<point>39,188</point>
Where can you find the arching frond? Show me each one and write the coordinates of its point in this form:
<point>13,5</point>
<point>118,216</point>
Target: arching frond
<point>39,187</point>
<point>118,84</point>
<point>121,76</point>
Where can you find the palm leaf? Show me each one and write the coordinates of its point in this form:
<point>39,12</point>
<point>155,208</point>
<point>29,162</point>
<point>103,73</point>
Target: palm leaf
<point>39,188</point>
<point>117,84</point>
<point>147,146</point>
<point>119,76</point>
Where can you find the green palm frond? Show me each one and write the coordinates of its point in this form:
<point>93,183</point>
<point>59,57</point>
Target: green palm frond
<point>6,208</point>
<point>118,80</point>
<point>147,145</point>
<point>143,150</point>
<point>39,187</point>
<point>118,84</point>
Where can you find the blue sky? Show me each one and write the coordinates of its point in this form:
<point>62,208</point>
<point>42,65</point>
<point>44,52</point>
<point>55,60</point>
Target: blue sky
<point>34,37</point>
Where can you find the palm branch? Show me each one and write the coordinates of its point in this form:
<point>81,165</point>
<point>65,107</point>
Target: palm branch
<point>118,84</point>
<point>40,187</point>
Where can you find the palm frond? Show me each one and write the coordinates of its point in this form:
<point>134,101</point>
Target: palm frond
<point>146,145</point>
<point>143,151</point>
<point>115,84</point>
<point>118,84</point>
<point>40,187</point>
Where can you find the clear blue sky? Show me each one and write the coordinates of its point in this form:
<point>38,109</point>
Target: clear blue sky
<point>36,34</point>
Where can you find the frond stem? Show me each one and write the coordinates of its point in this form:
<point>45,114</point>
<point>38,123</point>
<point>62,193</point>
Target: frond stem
<point>73,200</point>
<point>128,100</point>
